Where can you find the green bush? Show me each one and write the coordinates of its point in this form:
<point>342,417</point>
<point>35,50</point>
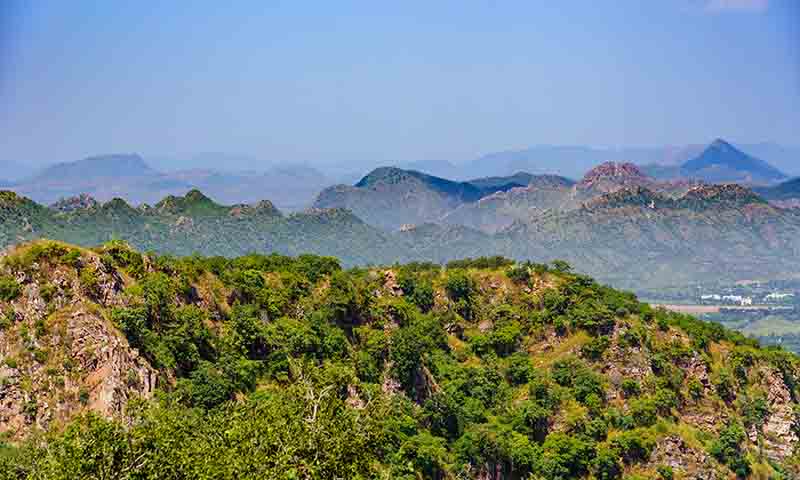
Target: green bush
<point>10,289</point>
<point>630,388</point>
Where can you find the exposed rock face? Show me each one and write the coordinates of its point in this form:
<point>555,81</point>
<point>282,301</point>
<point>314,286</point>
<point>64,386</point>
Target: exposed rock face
<point>778,430</point>
<point>114,372</point>
<point>673,452</point>
<point>89,366</point>
<point>631,361</point>
<point>60,355</point>
<point>625,173</point>
<point>79,202</point>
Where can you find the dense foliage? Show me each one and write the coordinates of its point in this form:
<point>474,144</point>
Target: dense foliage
<point>291,367</point>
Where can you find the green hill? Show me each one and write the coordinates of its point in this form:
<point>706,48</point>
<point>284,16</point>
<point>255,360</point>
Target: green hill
<point>122,365</point>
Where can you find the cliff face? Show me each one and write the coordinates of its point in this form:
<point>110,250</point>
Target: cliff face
<point>59,354</point>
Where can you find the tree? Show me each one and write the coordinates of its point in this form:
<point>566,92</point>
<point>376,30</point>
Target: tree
<point>728,449</point>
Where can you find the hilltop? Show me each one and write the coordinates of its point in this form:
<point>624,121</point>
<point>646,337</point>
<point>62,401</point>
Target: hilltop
<point>163,367</point>
<point>721,162</point>
<point>389,197</point>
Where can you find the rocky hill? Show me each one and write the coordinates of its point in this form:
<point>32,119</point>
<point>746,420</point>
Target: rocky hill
<point>723,232</point>
<point>390,197</point>
<point>549,193</point>
<point>163,367</point>
<point>193,223</point>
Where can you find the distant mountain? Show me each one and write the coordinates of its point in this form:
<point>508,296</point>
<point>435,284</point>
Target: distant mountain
<point>546,193</point>
<point>570,161</point>
<point>499,210</point>
<point>661,162</point>
<point>786,158</point>
<point>129,176</point>
<point>389,197</point>
<point>102,166</point>
<point>103,177</point>
<point>573,160</point>
<point>786,194</point>
<point>438,168</point>
<point>501,184</point>
<point>721,162</point>
<point>612,176</point>
<point>293,187</point>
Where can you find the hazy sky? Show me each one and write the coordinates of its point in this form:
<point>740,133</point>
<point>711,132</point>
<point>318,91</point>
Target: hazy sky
<point>338,81</point>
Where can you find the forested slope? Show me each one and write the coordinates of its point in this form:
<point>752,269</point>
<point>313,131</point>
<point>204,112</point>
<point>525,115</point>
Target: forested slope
<point>122,365</point>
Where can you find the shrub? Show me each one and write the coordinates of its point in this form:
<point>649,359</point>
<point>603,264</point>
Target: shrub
<point>665,472</point>
<point>595,348</point>
<point>89,282</point>
<point>728,449</point>
<point>10,289</point>
<point>83,396</point>
<point>519,273</point>
<point>520,368</point>
<point>630,388</point>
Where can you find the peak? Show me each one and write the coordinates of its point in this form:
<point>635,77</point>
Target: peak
<point>383,174</point>
<point>195,196</point>
<point>263,208</point>
<point>614,171</point>
<point>193,203</point>
<point>722,162</point>
<point>78,202</point>
<point>118,157</point>
<point>722,145</point>
<point>117,203</point>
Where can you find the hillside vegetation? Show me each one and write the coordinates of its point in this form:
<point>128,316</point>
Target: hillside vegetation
<point>117,364</point>
<point>616,225</point>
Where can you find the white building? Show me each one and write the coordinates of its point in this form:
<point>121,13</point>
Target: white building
<point>777,296</point>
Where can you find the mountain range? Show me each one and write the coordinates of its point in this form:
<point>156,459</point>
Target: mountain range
<point>573,160</point>
<point>389,197</point>
<point>616,223</point>
<point>129,176</point>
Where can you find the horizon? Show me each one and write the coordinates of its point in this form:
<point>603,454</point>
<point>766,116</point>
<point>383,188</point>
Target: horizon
<point>358,83</point>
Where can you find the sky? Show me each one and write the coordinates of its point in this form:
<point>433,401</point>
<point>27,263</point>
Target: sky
<point>338,82</point>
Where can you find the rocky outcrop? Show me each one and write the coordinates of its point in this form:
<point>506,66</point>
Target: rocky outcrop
<point>779,434</point>
<point>80,363</point>
<point>111,371</point>
<point>672,451</point>
<point>59,354</point>
<point>79,202</point>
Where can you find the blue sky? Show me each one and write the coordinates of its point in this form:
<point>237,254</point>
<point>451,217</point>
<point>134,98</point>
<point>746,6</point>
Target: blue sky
<point>337,82</point>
